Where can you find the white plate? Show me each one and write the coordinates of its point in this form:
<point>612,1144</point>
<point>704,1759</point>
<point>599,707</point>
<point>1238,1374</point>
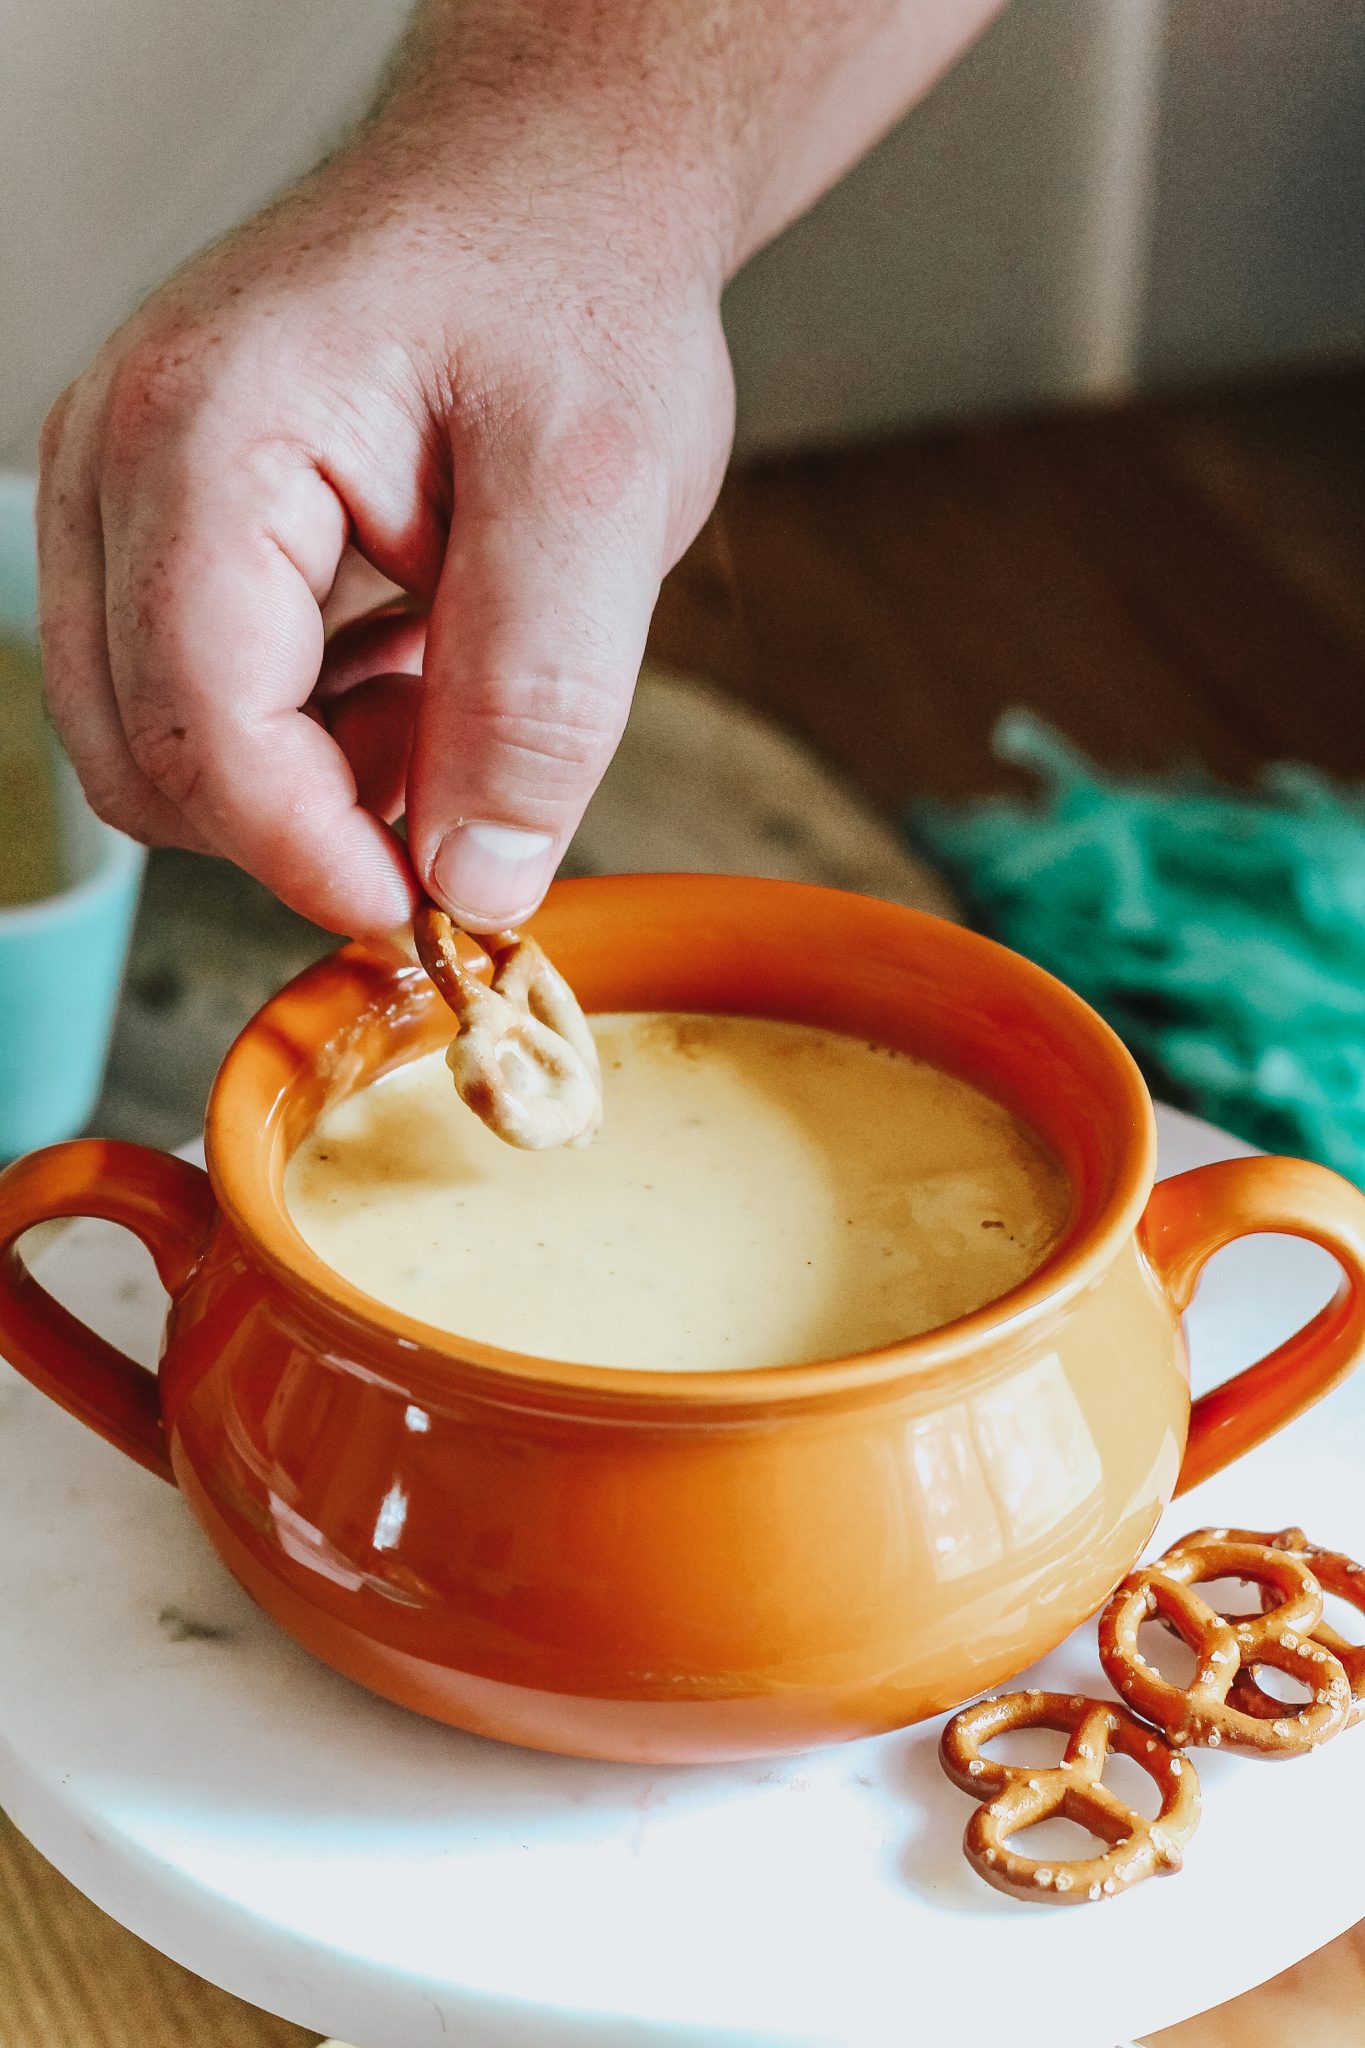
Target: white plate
<point>366,1873</point>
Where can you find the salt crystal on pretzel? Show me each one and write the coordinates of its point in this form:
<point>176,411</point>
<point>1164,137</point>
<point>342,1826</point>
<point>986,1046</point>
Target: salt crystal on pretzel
<point>1016,1797</point>
<point>1207,1710</point>
<point>1336,1574</point>
<point>522,1058</point>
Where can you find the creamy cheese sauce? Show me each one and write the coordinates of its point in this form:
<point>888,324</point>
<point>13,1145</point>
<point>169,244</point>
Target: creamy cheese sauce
<point>761,1193</point>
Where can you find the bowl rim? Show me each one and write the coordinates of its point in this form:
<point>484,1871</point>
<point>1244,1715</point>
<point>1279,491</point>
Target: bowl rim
<point>248,1097</point>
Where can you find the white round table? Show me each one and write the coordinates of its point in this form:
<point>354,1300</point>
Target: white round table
<point>363,1872</point>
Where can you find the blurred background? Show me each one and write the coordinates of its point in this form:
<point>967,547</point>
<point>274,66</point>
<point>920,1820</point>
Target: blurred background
<point>1107,196</point>
<point>1055,406</point>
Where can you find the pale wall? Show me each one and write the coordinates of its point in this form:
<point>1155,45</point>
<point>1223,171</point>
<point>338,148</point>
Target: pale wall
<point>1258,247</point>
<point>131,131</point>
<point>1106,191</point>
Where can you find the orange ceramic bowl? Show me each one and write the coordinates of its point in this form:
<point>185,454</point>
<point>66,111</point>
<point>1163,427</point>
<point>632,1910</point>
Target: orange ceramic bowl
<point>682,1566</point>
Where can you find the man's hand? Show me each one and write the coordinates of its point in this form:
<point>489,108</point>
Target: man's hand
<point>521,429</point>
<point>481,350</point>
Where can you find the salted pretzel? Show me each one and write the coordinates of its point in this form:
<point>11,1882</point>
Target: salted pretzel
<point>1018,1796</point>
<point>1335,1573</point>
<point>1280,1638</point>
<point>522,1058</point>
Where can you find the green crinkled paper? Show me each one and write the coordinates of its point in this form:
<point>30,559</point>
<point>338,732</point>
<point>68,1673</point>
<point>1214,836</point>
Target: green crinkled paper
<point>1223,936</point>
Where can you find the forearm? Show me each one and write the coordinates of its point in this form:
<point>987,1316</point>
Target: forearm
<point>482,348</point>
<point>720,121</point>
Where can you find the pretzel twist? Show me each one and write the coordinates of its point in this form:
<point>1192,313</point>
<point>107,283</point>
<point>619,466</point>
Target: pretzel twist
<point>1280,1638</point>
<point>1017,1796</point>
<point>522,1058</point>
<point>1335,1573</point>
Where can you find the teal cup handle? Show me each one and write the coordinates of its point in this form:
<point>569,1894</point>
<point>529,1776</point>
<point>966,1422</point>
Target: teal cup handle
<point>61,959</point>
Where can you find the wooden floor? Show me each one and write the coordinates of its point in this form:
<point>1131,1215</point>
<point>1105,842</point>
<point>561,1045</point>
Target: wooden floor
<point>72,1978</point>
<point>1181,582</point>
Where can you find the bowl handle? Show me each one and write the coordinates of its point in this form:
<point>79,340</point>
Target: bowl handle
<point>165,1202</point>
<point>1191,1216</point>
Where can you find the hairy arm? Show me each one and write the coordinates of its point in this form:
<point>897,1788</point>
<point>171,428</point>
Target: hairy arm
<point>480,349</point>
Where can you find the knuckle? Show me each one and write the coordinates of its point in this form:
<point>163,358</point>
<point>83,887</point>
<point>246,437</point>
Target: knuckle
<point>149,392</point>
<point>580,441</point>
<point>599,459</point>
<point>621,424</point>
<point>554,743</point>
<point>162,751</point>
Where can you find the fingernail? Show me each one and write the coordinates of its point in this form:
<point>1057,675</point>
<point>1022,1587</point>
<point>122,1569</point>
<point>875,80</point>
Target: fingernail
<point>492,875</point>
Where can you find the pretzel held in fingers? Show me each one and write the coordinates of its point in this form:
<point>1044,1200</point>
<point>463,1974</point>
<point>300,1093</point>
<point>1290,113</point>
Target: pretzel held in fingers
<point>1018,1796</point>
<point>1281,1638</point>
<point>1335,1573</point>
<point>523,1058</point>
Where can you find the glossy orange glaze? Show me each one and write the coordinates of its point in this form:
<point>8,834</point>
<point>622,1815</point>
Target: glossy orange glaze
<point>683,1566</point>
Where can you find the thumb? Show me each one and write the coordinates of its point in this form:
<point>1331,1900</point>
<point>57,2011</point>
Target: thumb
<point>534,646</point>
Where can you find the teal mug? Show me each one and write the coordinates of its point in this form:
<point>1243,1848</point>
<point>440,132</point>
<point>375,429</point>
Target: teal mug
<point>62,957</point>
